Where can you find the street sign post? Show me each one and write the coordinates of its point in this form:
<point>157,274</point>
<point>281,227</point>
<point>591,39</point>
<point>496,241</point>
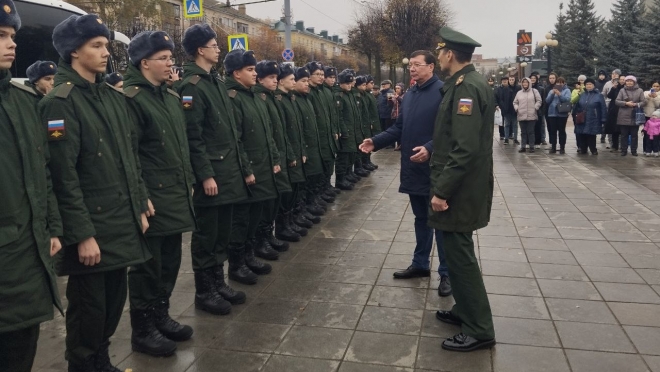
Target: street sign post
<point>287,54</point>
<point>193,8</point>
<point>238,41</point>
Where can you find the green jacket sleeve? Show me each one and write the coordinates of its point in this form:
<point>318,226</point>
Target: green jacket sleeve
<point>137,134</point>
<point>195,118</point>
<point>575,96</point>
<point>343,126</point>
<point>238,114</point>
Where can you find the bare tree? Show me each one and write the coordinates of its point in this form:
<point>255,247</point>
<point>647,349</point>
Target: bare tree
<point>415,24</point>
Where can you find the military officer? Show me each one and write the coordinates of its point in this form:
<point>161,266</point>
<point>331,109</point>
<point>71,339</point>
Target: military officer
<point>267,73</point>
<point>372,108</point>
<point>29,220</point>
<point>348,119</point>
<point>218,163</point>
<point>330,87</point>
<point>165,160</point>
<point>96,178</point>
<point>361,94</point>
<point>41,77</point>
<point>255,133</point>
<point>462,186</point>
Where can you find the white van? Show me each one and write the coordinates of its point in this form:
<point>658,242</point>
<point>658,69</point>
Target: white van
<point>34,39</point>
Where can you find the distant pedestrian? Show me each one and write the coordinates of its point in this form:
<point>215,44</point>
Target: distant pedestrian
<point>652,129</point>
<point>385,104</point>
<point>504,100</point>
<point>629,98</point>
<point>611,128</point>
<point>591,106</point>
<point>652,104</point>
<point>559,94</point>
<point>527,103</point>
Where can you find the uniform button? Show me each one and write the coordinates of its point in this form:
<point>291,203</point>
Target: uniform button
<point>163,130</point>
<point>221,157</point>
<point>160,185</point>
<point>100,139</point>
<point>250,161</point>
<point>39,148</point>
<point>98,208</point>
<point>162,143</point>
<point>99,154</point>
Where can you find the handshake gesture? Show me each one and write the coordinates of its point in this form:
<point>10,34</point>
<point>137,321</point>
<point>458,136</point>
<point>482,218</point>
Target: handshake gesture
<point>367,146</point>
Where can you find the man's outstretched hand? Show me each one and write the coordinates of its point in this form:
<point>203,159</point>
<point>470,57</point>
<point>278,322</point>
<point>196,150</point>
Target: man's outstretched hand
<point>367,146</point>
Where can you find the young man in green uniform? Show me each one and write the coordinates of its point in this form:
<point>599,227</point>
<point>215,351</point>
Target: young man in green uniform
<point>267,73</point>
<point>348,120</point>
<point>219,166</point>
<point>29,220</point>
<point>101,197</point>
<point>361,94</point>
<point>255,133</point>
<point>462,186</point>
<point>372,108</point>
<point>293,205</point>
<point>165,160</point>
<point>329,88</point>
<point>41,77</point>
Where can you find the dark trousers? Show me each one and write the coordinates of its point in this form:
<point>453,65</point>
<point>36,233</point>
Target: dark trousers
<point>329,168</point>
<point>209,243</point>
<point>269,211</point>
<point>343,164</point>
<point>96,302</point>
<point>290,199</point>
<point>18,349</point>
<point>155,279</point>
<point>538,131</point>
<point>424,236</point>
<point>245,221</point>
<point>527,133</point>
<point>587,141</point>
<point>650,145</point>
<point>557,128</point>
<point>501,131</point>
<point>313,186</point>
<point>468,289</point>
<point>632,131</point>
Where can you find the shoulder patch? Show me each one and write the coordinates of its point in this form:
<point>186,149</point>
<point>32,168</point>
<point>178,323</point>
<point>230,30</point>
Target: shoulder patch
<point>187,102</point>
<point>460,80</point>
<point>174,93</point>
<point>64,90</point>
<point>465,106</point>
<point>132,91</point>
<point>115,89</point>
<point>195,79</point>
<point>293,98</point>
<point>24,88</point>
<point>278,97</point>
<point>232,93</point>
<point>56,130</point>
<point>263,96</point>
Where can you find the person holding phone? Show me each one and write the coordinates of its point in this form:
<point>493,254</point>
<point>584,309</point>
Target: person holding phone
<point>560,93</point>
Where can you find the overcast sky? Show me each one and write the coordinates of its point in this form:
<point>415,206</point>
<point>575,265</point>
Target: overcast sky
<point>493,23</point>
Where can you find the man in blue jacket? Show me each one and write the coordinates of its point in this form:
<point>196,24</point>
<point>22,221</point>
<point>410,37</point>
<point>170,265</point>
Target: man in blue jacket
<point>385,104</point>
<point>414,130</point>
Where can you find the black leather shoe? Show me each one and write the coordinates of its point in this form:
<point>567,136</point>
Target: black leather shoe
<point>633,153</point>
<point>312,218</point>
<point>464,343</point>
<point>373,165</point>
<point>327,198</point>
<point>301,221</point>
<point>361,172</point>
<point>447,317</point>
<point>368,167</point>
<point>315,209</point>
<point>344,185</point>
<point>412,272</point>
<point>444,288</point>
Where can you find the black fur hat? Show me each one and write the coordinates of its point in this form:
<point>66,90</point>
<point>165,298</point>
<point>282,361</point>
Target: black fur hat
<point>369,78</point>
<point>147,43</point>
<point>40,69</point>
<point>237,59</point>
<point>314,66</point>
<point>197,36</point>
<point>301,72</point>
<point>113,78</point>
<point>74,31</point>
<point>330,71</point>
<point>360,80</point>
<point>266,68</point>
<point>9,16</point>
<point>346,76</point>
<point>286,70</point>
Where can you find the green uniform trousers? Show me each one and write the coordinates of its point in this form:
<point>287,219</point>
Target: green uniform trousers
<point>344,163</point>
<point>472,305</point>
<point>245,222</point>
<point>209,243</point>
<point>18,349</point>
<point>96,302</point>
<point>270,209</point>
<point>291,199</point>
<point>154,280</point>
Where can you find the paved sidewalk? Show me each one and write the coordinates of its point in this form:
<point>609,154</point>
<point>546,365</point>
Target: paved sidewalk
<point>570,261</point>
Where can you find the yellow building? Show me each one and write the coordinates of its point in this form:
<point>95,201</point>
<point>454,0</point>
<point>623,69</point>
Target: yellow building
<point>321,44</point>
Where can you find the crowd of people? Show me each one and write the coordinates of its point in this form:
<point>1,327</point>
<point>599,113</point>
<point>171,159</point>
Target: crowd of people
<point>613,108</point>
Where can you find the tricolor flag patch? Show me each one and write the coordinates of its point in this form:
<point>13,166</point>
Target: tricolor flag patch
<point>56,130</point>
<point>465,106</point>
<point>187,102</point>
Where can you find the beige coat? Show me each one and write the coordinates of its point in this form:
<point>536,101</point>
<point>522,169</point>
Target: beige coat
<point>527,103</point>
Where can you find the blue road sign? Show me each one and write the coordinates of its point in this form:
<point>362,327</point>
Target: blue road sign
<point>287,54</point>
<point>238,41</point>
<point>193,8</point>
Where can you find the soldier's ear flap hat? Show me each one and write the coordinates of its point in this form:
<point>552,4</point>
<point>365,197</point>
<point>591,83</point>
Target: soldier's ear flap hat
<point>148,43</point>
<point>369,78</point>
<point>74,31</point>
<point>301,73</point>
<point>267,68</point>
<point>346,77</point>
<point>454,40</point>
<point>314,66</point>
<point>360,80</point>
<point>40,69</point>
<point>330,71</point>
<point>9,16</point>
<point>285,70</point>
<point>113,78</point>
<point>197,36</point>
<point>237,59</point>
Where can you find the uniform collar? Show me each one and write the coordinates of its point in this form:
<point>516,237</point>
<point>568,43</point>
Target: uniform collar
<point>5,79</point>
<point>135,78</point>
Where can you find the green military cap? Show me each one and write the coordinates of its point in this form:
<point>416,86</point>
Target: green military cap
<point>454,40</point>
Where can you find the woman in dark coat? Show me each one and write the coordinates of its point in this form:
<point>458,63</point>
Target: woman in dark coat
<point>611,126</point>
<point>592,104</point>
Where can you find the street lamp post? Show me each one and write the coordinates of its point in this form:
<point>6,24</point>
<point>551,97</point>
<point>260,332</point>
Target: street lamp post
<point>405,62</point>
<point>549,42</point>
<point>595,68</point>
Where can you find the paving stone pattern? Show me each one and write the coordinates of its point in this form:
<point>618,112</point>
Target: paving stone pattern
<point>570,261</point>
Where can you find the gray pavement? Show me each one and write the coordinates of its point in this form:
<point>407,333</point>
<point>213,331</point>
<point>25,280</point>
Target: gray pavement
<point>570,261</point>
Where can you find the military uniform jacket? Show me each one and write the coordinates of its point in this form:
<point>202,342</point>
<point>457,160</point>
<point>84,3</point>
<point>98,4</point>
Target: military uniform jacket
<point>329,98</point>
<point>164,155</point>
<point>364,128</point>
<point>295,136</point>
<point>95,170</point>
<point>314,164</point>
<point>462,161</point>
<point>29,215</point>
<point>322,111</point>
<point>34,88</point>
<point>254,130</point>
<point>273,103</point>
<point>349,119</point>
<point>215,147</point>
<point>372,110</point>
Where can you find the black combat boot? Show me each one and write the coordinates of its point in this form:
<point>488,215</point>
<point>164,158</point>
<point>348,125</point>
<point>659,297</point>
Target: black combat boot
<point>238,270</point>
<point>263,249</point>
<point>361,172</point>
<point>314,209</point>
<point>169,327</point>
<point>291,223</point>
<point>224,290</point>
<point>146,338</point>
<point>319,200</point>
<point>342,184</point>
<point>352,177</point>
<point>301,221</point>
<point>368,167</point>
<point>327,198</point>
<point>371,164</point>
<point>88,365</point>
<point>206,295</point>
<point>333,189</point>
<point>256,266</point>
<point>102,359</point>
<point>283,230</point>
<point>274,242</point>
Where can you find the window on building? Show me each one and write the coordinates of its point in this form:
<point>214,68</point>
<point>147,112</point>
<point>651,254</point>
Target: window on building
<point>242,27</point>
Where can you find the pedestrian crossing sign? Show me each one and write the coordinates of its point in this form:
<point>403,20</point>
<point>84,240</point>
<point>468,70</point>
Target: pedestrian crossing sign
<point>238,41</point>
<point>193,8</point>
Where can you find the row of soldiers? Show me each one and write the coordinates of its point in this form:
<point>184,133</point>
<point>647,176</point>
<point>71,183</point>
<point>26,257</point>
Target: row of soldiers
<point>98,180</point>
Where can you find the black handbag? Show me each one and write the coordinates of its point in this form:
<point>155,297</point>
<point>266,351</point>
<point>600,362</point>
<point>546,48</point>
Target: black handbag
<point>564,107</point>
